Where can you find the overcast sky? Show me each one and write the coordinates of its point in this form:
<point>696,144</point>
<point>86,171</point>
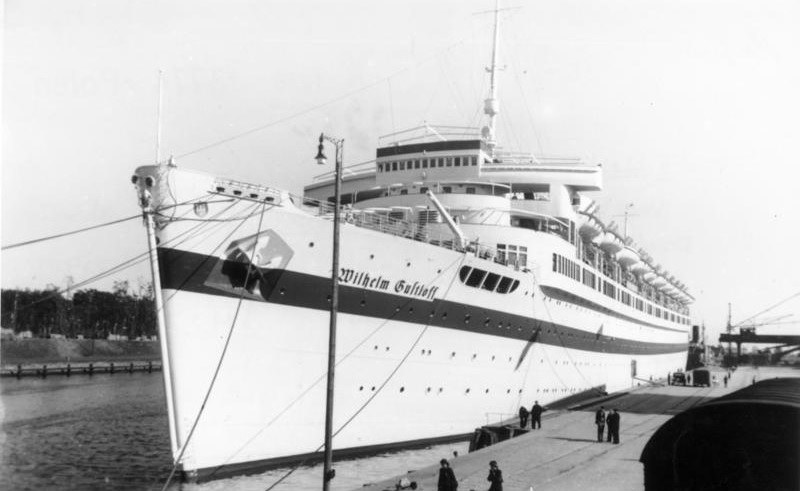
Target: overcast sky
<point>692,107</point>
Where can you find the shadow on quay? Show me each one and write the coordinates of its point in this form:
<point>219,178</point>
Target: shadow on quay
<point>650,403</point>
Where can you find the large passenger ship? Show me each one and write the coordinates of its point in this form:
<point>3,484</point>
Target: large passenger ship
<point>473,280</point>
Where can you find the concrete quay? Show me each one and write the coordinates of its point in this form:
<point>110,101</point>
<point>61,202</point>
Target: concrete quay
<point>565,454</point>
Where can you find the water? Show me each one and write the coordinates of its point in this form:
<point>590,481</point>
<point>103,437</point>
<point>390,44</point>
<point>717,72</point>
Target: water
<point>110,432</point>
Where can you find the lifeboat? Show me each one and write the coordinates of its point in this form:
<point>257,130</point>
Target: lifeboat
<point>658,281</point>
<point>627,257</point>
<point>590,227</point>
<point>610,243</point>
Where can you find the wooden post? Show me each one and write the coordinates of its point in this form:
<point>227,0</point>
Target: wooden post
<point>91,368</point>
<point>111,368</point>
<point>69,369</point>
<point>19,370</point>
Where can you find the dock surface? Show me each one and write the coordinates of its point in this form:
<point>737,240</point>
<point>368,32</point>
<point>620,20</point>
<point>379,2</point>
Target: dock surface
<point>565,454</point>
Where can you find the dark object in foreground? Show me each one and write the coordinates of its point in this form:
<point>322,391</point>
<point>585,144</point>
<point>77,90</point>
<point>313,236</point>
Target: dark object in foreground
<point>745,440</point>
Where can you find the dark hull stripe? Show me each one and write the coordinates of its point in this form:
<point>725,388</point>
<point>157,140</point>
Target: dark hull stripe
<point>188,271</point>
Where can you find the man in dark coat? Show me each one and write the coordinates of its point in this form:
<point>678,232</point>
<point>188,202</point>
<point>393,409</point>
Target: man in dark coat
<point>536,415</point>
<point>495,477</point>
<point>600,421</point>
<point>613,426</point>
<point>447,478</point>
<point>523,416</point>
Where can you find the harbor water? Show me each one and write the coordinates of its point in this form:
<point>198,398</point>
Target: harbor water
<point>110,432</point>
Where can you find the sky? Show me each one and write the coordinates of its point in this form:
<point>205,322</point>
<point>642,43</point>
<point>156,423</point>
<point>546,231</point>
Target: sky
<point>692,108</point>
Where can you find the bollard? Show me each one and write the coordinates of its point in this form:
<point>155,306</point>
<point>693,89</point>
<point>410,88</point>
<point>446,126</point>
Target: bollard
<point>149,367</point>
<point>91,368</point>
<point>69,369</point>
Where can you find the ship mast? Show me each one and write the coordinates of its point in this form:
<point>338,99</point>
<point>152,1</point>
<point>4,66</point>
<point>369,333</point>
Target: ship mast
<point>491,106</point>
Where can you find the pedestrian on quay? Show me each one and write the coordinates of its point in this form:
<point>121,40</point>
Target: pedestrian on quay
<point>725,381</point>
<point>523,416</point>
<point>612,420</point>
<point>669,378</point>
<point>495,477</point>
<point>536,415</point>
<point>447,478</point>
<point>600,421</point>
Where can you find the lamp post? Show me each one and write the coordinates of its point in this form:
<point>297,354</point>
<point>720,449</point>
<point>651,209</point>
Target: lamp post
<point>328,473</point>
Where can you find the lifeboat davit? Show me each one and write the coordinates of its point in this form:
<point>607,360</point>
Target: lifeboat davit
<point>590,227</point>
<point>611,243</point>
<point>627,257</point>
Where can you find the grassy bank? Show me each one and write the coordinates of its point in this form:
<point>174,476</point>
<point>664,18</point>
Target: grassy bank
<point>37,351</point>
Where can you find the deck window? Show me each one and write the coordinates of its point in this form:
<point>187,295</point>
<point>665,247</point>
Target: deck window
<point>424,163</point>
<point>463,273</point>
<point>457,162</point>
<point>447,189</point>
<point>491,281</point>
<point>504,285</point>
<point>394,165</point>
<point>476,277</point>
<point>470,190</point>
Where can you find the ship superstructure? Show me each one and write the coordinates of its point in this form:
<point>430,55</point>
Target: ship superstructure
<point>472,281</point>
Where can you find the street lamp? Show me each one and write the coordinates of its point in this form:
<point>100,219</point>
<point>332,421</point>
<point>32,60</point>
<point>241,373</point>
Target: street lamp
<point>328,473</point>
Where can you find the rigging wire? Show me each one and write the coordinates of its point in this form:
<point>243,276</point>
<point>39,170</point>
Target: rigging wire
<point>219,363</point>
<point>322,377</point>
<point>128,263</point>
<point>73,232</point>
<point>339,98</point>
<point>358,411</point>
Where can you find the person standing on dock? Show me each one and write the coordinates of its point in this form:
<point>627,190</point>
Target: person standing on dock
<point>600,421</point>
<point>495,477</point>
<point>523,416</point>
<point>613,426</point>
<point>447,478</point>
<point>536,416</point>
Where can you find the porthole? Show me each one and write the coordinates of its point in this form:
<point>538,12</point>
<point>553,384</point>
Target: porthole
<point>402,389</point>
<point>363,303</point>
<point>376,347</point>
<point>408,265</point>
<point>467,391</point>
<point>283,291</point>
<point>310,244</point>
<point>373,388</point>
<point>361,388</point>
<point>328,298</point>
<point>453,354</point>
<point>372,256</point>
<point>444,316</point>
<point>487,391</point>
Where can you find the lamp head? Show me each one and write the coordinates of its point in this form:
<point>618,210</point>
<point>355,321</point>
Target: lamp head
<point>321,158</point>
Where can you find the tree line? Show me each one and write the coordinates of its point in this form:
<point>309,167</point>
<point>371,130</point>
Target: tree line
<point>91,313</point>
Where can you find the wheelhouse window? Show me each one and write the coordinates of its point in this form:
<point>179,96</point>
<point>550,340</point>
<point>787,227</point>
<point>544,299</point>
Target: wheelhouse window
<point>470,190</point>
<point>479,278</point>
<point>394,165</point>
<point>457,161</point>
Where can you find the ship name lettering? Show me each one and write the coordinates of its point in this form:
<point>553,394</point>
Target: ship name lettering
<point>363,279</point>
<point>415,289</point>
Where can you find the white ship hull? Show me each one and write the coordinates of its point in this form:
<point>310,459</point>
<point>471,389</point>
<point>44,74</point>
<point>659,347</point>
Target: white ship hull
<point>420,355</point>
